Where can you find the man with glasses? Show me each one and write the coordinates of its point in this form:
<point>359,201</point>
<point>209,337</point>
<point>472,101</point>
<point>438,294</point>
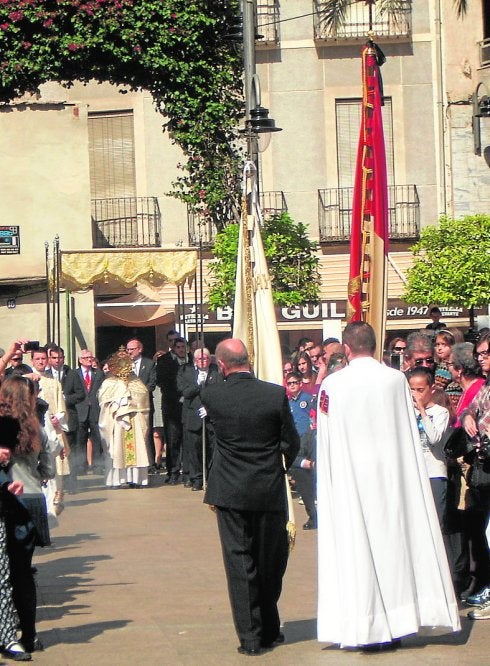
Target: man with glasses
<point>88,416</point>
<point>17,363</point>
<point>145,369</point>
<point>420,351</point>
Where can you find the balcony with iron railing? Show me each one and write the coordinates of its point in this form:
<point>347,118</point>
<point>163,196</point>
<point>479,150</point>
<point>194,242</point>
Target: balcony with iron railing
<point>484,52</point>
<point>395,26</point>
<point>335,213</point>
<point>203,232</point>
<point>126,222</point>
<point>267,23</point>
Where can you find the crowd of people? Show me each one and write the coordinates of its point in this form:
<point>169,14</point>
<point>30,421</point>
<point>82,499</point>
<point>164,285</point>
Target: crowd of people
<point>131,417</point>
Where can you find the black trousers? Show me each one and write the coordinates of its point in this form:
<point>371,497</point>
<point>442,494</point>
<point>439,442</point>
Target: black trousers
<point>172,427</point>
<point>192,453</point>
<point>255,554</point>
<point>306,487</point>
<point>23,588</point>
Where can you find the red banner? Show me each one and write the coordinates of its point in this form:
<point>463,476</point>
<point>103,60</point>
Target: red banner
<point>369,232</point>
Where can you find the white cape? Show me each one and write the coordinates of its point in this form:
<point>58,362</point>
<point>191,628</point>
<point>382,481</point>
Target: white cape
<point>383,571</point>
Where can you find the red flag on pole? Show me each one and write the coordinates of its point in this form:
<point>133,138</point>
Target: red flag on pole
<point>367,289</point>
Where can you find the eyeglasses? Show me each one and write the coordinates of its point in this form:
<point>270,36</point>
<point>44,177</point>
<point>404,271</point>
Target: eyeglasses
<point>427,361</point>
<point>484,353</point>
<point>292,383</point>
<point>399,349</point>
<point>87,358</point>
<point>17,360</point>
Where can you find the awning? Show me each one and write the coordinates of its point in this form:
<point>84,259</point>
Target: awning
<point>81,269</point>
<point>144,306</point>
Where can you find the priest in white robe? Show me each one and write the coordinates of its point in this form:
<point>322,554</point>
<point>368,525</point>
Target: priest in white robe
<point>124,421</point>
<point>383,571</point>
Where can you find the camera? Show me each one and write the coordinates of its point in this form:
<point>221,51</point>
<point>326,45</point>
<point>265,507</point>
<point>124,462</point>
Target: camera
<point>484,450</point>
<point>32,345</point>
<point>396,361</point>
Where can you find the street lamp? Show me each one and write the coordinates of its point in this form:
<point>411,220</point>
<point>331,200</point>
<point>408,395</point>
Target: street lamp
<point>481,109</point>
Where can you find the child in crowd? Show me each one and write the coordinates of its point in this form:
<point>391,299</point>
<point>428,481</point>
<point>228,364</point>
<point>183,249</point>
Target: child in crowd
<point>433,424</point>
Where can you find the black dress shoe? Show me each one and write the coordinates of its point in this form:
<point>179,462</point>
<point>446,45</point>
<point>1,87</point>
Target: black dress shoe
<point>310,525</point>
<point>382,647</point>
<point>32,646</point>
<point>188,484</point>
<point>277,641</point>
<point>197,486</point>
<point>249,651</point>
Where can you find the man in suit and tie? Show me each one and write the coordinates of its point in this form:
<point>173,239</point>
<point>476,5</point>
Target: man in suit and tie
<point>145,369</point>
<point>192,378</point>
<point>57,367</point>
<point>88,414</point>
<point>247,485</point>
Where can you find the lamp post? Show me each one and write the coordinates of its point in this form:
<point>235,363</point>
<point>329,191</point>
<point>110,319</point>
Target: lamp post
<point>481,109</point>
<point>257,121</point>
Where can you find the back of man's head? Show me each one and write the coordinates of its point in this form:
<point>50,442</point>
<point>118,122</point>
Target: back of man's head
<point>233,354</point>
<point>360,338</point>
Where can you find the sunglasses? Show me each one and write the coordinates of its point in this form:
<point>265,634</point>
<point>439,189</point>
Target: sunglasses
<point>428,361</point>
<point>292,383</point>
<point>399,349</point>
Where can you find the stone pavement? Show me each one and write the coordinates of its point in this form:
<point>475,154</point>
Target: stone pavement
<point>136,577</point>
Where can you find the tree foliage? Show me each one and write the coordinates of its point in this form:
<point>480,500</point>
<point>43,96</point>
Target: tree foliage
<point>291,258</point>
<point>451,263</point>
<point>173,48</point>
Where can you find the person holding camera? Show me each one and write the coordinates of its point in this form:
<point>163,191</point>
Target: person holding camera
<point>476,422</point>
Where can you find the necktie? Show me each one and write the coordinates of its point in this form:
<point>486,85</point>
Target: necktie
<point>87,380</point>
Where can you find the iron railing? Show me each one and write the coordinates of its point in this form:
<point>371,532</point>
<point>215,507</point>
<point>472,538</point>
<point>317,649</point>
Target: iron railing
<point>335,213</point>
<point>204,232</point>
<point>126,222</point>
<point>268,22</point>
<point>272,203</point>
<point>386,27</point>
<point>484,52</point>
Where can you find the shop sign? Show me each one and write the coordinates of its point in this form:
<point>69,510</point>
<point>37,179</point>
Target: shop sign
<point>9,240</point>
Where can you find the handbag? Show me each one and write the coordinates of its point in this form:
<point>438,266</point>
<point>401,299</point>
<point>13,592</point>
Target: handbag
<point>458,444</point>
<point>479,473</point>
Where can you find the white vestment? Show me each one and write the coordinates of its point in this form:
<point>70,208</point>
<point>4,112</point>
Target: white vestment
<point>383,571</point>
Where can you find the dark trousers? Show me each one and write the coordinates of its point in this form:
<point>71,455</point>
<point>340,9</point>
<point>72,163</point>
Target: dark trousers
<point>477,520</point>
<point>192,453</point>
<point>305,485</point>
<point>172,428</point>
<point>255,554</point>
<point>23,589</point>
<point>86,429</point>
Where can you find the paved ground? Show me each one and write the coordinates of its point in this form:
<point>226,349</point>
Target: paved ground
<point>136,577</point>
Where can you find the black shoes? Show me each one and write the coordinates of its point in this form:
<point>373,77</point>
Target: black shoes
<point>249,651</point>
<point>310,525</point>
<point>197,486</point>
<point>32,646</point>
<point>277,641</point>
<point>382,647</point>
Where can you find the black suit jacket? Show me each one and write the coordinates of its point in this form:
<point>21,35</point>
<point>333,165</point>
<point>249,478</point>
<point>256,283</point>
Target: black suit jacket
<point>148,374</point>
<point>188,386</point>
<point>254,427</point>
<point>88,409</point>
<point>73,392</point>
<point>167,371</point>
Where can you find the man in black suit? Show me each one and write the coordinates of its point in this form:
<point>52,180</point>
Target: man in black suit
<point>71,386</point>
<point>190,380</point>
<point>247,485</point>
<point>88,414</point>
<point>145,369</point>
<point>167,369</point>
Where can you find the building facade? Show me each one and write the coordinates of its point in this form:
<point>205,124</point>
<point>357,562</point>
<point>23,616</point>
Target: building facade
<point>93,167</point>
